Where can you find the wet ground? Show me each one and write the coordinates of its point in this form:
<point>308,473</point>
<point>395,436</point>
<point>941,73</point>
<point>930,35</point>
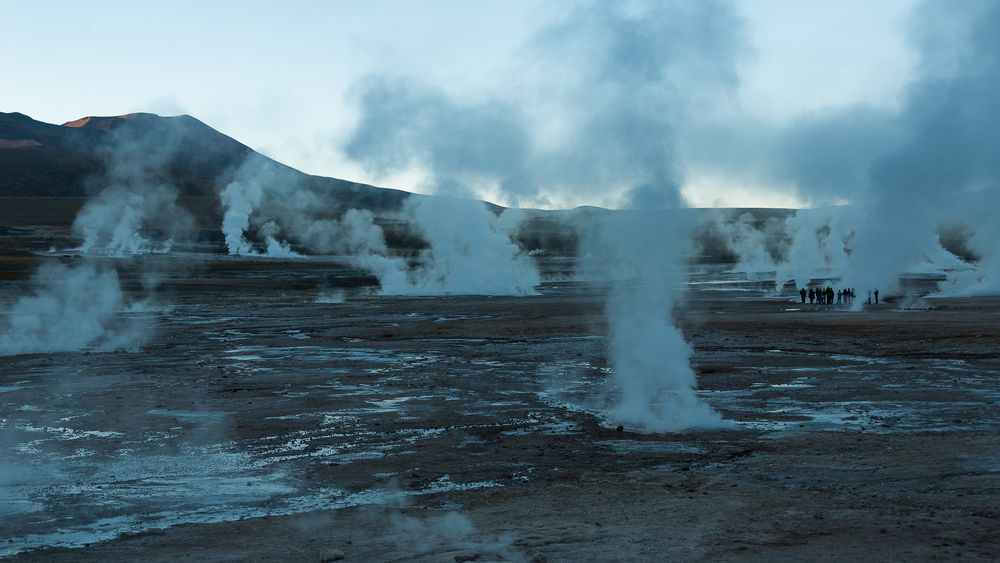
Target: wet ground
<point>260,425</point>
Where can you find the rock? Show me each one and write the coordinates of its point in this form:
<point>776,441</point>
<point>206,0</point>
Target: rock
<point>333,555</point>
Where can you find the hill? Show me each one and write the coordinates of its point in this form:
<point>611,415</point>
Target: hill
<point>67,163</point>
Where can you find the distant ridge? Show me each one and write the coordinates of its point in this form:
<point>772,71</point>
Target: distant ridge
<point>71,160</point>
<point>103,123</point>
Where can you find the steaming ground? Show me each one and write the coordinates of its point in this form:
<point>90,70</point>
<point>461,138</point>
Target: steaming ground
<point>259,422</point>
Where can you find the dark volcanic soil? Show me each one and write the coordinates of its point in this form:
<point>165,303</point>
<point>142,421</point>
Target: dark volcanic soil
<point>259,425</point>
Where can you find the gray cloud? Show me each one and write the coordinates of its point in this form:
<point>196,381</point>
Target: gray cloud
<point>949,159</point>
<point>594,113</point>
<point>406,123</point>
<point>906,171</point>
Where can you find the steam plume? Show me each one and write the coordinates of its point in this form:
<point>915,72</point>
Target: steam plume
<point>948,159</point>
<point>906,172</point>
<point>71,308</point>
<point>470,251</point>
<point>135,198</point>
<point>652,386</point>
<point>601,94</point>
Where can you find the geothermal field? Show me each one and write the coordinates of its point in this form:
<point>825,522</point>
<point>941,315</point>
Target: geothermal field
<point>281,409</point>
<point>650,280</point>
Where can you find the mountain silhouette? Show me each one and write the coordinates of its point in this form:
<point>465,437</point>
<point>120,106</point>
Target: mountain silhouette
<point>67,163</point>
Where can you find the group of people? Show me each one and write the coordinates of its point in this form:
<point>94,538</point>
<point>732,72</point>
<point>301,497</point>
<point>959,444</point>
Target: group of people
<point>825,296</point>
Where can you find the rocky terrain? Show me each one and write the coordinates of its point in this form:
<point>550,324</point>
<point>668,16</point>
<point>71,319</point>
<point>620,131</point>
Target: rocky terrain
<point>259,424</point>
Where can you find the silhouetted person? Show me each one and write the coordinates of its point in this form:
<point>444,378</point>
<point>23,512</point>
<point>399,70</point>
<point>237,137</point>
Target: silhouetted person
<point>829,295</point>
<point>840,296</point>
<point>876,297</point>
<point>812,295</point>
<point>802,293</point>
<point>869,302</point>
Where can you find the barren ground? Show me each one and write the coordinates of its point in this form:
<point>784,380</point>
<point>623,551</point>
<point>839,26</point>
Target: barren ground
<point>259,425</point>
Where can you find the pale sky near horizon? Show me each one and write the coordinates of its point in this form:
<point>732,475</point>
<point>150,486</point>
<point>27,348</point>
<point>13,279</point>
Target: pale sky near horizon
<point>278,76</point>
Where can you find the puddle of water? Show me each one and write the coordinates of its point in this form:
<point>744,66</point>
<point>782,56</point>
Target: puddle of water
<point>12,506</point>
<point>648,446</point>
<point>552,428</point>
<point>64,433</point>
<point>196,415</point>
<point>297,334</point>
<point>199,320</point>
<point>861,359</point>
<point>396,402</point>
<point>444,319</point>
<point>107,528</point>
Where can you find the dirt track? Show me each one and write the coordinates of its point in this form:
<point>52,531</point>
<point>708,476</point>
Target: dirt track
<point>262,426</point>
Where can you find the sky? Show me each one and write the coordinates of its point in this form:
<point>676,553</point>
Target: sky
<point>283,77</point>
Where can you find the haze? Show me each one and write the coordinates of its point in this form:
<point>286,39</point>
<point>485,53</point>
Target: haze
<point>282,77</point>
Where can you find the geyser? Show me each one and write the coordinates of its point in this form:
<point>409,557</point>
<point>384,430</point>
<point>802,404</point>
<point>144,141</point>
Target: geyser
<point>595,117</point>
<point>470,251</point>
<point>652,387</point>
<point>71,308</point>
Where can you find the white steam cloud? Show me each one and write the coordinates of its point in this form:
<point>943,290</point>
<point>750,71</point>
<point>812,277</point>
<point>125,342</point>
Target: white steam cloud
<point>743,238</point>
<point>136,211</point>
<point>470,250</point>
<point>135,199</point>
<point>449,531</point>
<point>905,172</point>
<point>600,100</point>
<point>653,385</point>
<point>818,247</point>
<point>114,222</point>
<point>69,309</point>
<point>239,200</point>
